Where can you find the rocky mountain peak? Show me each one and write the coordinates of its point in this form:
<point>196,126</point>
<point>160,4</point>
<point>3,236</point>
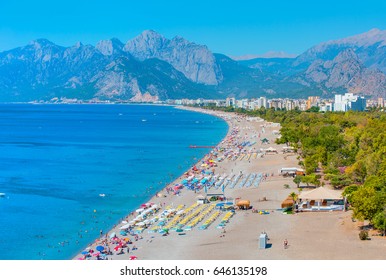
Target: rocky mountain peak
<point>146,45</point>
<point>365,39</point>
<point>41,43</point>
<point>78,45</point>
<point>196,62</point>
<point>148,34</point>
<point>370,48</point>
<point>109,47</point>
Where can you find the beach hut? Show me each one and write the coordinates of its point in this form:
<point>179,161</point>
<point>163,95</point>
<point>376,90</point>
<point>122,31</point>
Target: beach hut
<point>321,199</point>
<point>243,204</point>
<point>288,202</point>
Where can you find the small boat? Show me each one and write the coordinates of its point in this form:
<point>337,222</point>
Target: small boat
<point>102,195</point>
<point>143,120</point>
<point>2,194</point>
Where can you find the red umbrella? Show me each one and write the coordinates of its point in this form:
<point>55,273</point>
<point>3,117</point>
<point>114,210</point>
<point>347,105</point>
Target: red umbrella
<point>133,258</point>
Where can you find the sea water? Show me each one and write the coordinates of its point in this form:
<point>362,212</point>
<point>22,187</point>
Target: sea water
<point>69,171</point>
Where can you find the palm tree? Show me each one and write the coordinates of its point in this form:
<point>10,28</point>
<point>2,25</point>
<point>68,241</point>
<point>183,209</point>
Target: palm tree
<point>294,197</point>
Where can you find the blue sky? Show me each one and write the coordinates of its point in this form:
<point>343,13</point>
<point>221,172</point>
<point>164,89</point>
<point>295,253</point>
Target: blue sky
<point>229,27</point>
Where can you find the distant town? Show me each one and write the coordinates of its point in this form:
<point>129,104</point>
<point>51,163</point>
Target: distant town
<point>340,103</point>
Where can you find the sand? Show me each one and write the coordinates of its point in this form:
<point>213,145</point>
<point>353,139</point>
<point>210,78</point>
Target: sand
<point>316,235</point>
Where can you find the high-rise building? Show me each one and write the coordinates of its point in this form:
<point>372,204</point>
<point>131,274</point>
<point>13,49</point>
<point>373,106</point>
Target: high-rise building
<point>230,102</point>
<point>312,101</point>
<point>359,104</point>
<point>381,102</point>
<point>262,102</point>
<point>349,101</point>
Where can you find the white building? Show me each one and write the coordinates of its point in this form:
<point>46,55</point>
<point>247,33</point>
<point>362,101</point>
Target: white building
<point>230,102</point>
<point>349,101</point>
<point>262,102</point>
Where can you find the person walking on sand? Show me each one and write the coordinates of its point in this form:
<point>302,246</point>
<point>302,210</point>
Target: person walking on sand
<point>285,243</point>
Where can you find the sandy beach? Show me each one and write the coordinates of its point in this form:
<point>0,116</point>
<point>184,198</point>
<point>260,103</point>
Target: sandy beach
<point>315,235</point>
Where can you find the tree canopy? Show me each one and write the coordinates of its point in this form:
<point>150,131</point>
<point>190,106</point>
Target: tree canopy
<point>349,146</point>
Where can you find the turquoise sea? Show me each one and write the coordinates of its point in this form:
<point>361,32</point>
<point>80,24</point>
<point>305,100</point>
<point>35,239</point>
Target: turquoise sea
<point>55,160</point>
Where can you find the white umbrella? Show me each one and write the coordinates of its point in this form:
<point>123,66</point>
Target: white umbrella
<point>125,226</point>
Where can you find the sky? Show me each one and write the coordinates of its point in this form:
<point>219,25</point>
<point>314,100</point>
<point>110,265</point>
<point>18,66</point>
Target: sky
<point>230,27</point>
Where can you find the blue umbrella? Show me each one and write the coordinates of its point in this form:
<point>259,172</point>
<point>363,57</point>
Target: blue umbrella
<point>100,248</point>
<point>84,252</point>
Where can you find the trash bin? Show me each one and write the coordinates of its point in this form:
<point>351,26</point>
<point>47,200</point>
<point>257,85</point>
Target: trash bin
<point>263,241</point>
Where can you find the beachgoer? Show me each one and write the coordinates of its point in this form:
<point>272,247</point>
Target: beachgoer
<point>285,243</point>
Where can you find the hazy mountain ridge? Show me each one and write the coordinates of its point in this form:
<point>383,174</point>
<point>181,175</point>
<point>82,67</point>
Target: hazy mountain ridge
<point>151,67</point>
<point>369,46</point>
<point>356,64</point>
<point>195,61</point>
<point>43,70</point>
<point>345,73</point>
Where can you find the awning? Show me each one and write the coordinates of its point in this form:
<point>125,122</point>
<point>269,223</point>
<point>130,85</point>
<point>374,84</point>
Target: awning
<point>321,193</point>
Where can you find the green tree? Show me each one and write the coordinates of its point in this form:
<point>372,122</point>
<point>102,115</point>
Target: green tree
<point>380,222</point>
<point>348,191</point>
<point>297,180</point>
<point>311,179</point>
<point>367,203</point>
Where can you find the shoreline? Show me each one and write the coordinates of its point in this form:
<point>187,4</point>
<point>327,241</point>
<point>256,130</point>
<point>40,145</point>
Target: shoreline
<point>179,178</point>
<point>329,235</point>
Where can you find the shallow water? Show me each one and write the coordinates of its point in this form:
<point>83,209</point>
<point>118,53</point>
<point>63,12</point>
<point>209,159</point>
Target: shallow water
<point>56,160</point>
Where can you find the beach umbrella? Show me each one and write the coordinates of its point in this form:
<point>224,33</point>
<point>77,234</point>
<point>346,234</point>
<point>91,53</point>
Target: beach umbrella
<point>133,258</point>
<point>112,235</point>
<point>125,226</point>
<point>85,253</point>
<point>100,248</point>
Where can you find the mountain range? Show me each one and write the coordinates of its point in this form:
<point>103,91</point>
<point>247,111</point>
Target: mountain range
<point>151,67</point>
